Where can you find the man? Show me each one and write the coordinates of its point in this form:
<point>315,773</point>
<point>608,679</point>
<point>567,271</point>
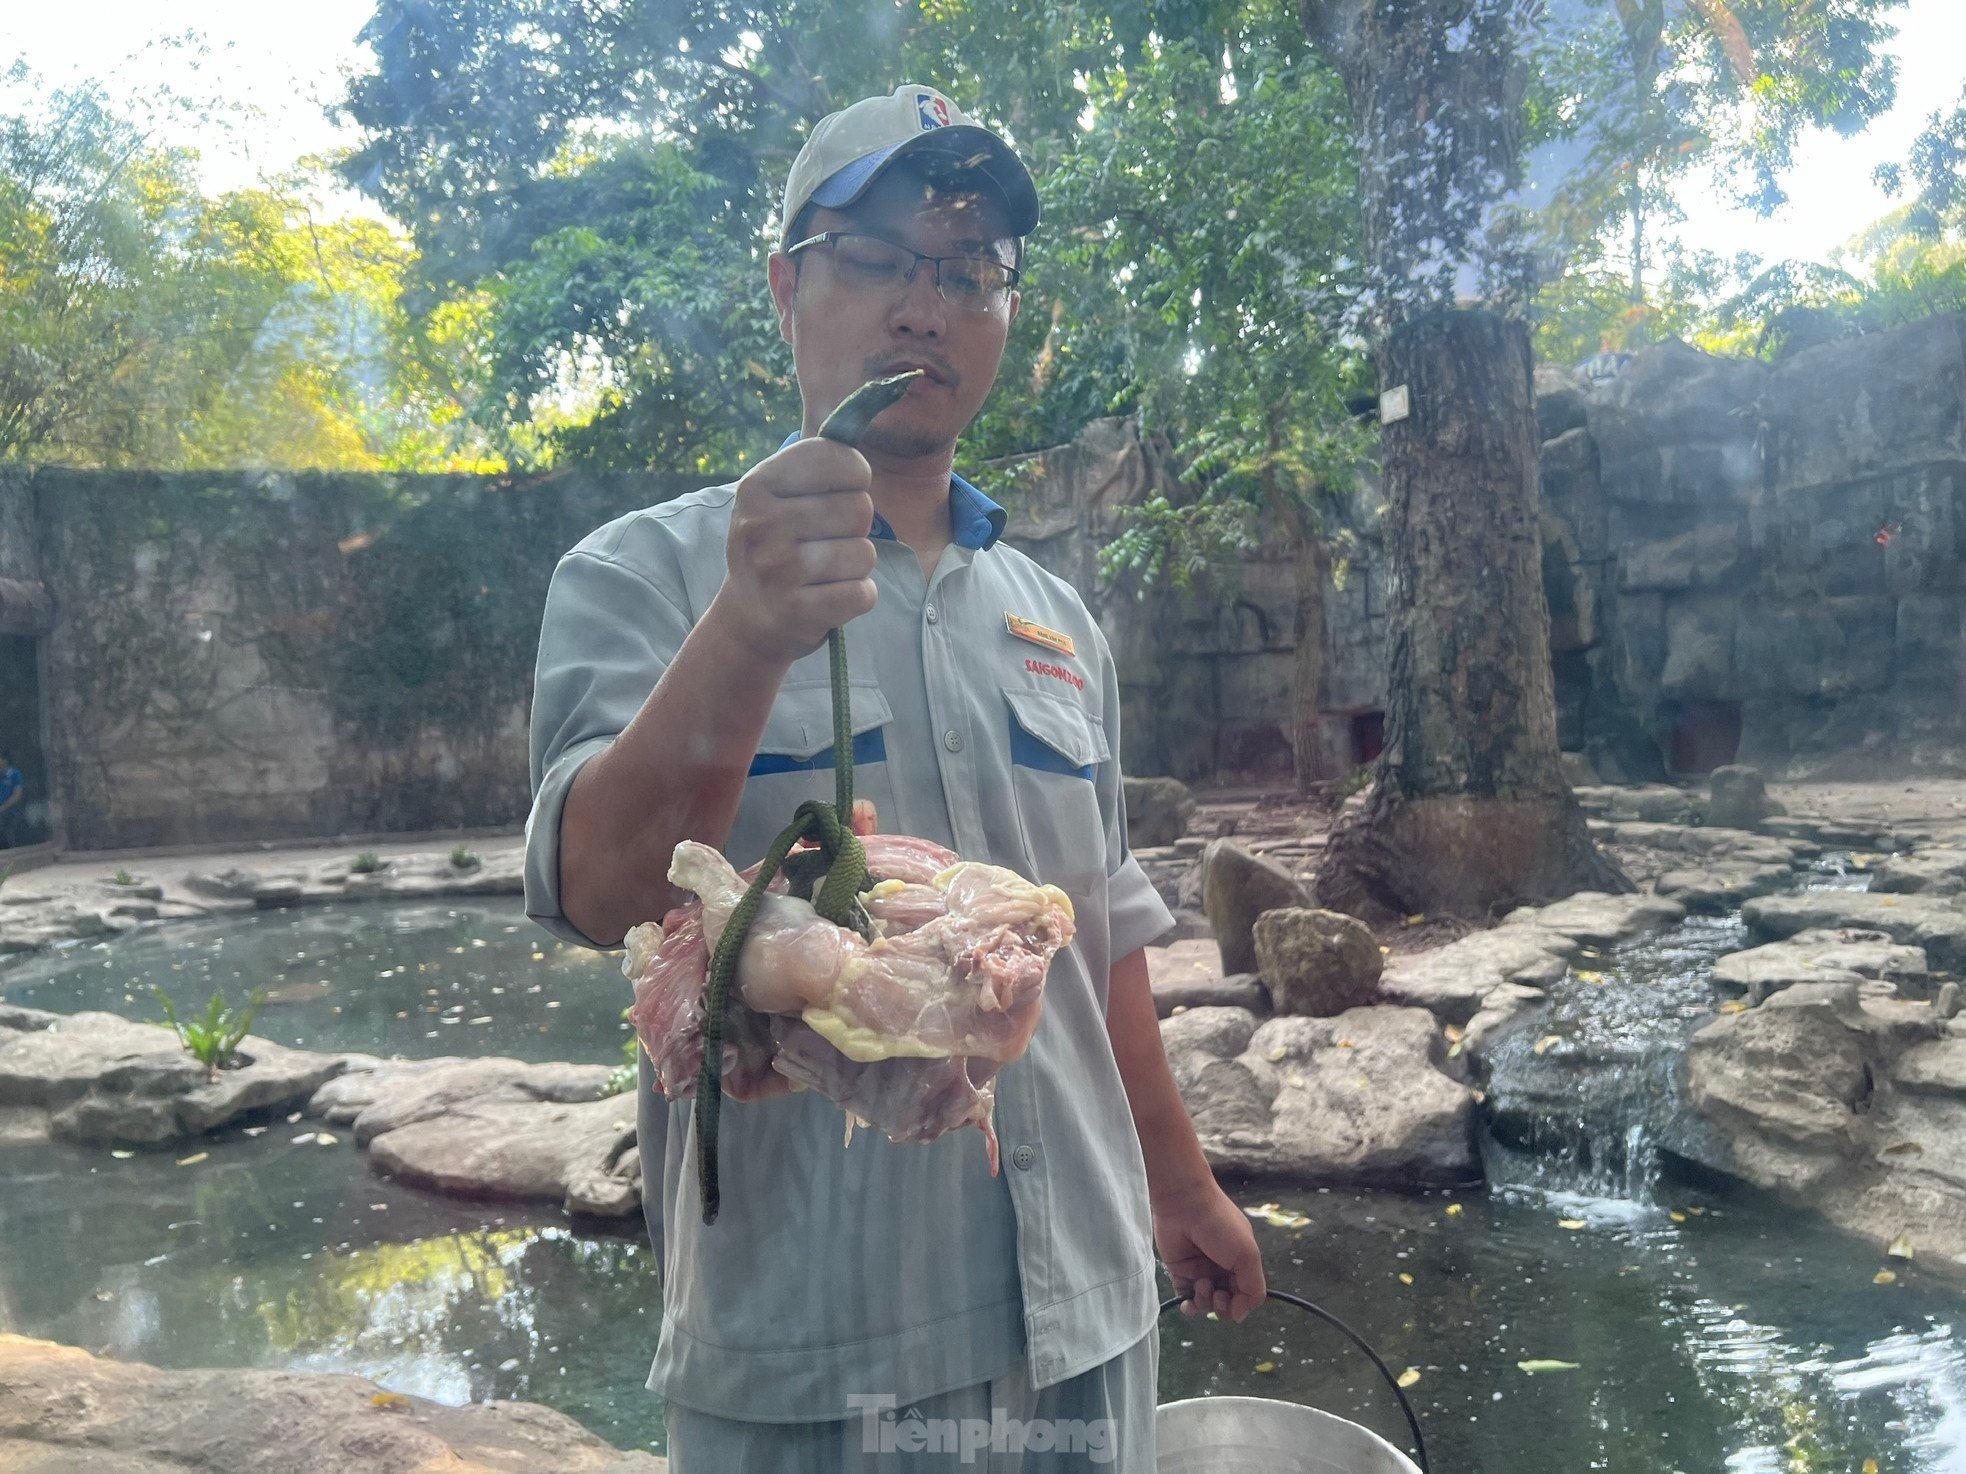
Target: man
<point>857,1304</point>
<point>13,800</point>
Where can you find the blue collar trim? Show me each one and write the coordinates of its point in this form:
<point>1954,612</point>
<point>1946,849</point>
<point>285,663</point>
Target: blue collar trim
<point>974,520</point>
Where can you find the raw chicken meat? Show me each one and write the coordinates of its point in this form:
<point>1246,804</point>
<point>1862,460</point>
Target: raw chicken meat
<point>904,1033</point>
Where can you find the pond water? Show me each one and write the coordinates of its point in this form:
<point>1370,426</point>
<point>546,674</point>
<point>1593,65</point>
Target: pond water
<point>1712,1330</point>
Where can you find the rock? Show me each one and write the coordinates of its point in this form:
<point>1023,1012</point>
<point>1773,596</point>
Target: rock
<point>1157,811</point>
<point>1946,1004</point>
<point>1738,798</point>
<point>99,1078</point>
<point>1455,982</point>
<point>1835,834</point>
<point>495,1128</point>
<point>1713,889</point>
<point>1577,771</point>
<point>1238,887</point>
<point>1188,974</point>
<point>1317,963</point>
<point>1823,957</point>
<point>1847,1111</point>
<point>65,1410</point>
<point>1709,844</point>
<point>1657,803</point>
<point>573,1155</point>
<point>1936,923</point>
<point>1597,919</point>
<point>1361,1098</point>
<point>1559,401</point>
<point>1938,872</point>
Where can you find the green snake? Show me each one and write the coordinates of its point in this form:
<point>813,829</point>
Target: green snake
<point>838,867</point>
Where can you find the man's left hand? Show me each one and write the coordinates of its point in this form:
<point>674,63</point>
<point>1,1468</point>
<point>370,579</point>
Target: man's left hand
<point>1210,1252</point>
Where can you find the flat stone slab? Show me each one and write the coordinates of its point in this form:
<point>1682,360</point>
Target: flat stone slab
<point>1706,842</point>
<point>1598,919</point>
<point>1455,981</point>
<point>1938,872</point>
<point>1936,923</point>
<point>96,1077</point>
<point>1657,803</point>
<point>1715,888</point>
<point>498,1128</point>
<point>1362,1098</point>
<point>63,1411</point>
<point>1832,833</point>
<point>1823,956</point>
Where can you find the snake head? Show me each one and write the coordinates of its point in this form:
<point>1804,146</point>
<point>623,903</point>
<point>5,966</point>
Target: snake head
<point>858,410</point>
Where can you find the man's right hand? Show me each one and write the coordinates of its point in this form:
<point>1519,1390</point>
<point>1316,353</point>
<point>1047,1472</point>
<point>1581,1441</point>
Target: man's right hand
<point>799,558</point>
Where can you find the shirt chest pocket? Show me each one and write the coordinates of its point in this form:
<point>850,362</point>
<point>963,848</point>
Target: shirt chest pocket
<point>796,761</point>
<point>1056,747</point>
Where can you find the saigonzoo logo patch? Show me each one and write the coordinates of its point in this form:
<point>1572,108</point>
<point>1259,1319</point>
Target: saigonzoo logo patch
<point>1058,672</point>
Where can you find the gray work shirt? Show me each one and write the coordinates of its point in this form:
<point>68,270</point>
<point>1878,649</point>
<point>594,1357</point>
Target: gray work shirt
<point>837,1269</point>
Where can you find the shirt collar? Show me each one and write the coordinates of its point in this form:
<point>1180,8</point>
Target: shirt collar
<point>974,520</point>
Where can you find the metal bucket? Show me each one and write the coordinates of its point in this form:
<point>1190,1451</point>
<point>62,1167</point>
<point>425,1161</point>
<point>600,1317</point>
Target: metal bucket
<point>1260,1435</point>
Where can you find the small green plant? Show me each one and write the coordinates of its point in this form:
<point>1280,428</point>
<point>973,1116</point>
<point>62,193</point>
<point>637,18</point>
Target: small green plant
<point>464,858</point>
<point>366,863</point>
<point>213,1039</point>
<point>122,877</point>
<point>628,1072</point>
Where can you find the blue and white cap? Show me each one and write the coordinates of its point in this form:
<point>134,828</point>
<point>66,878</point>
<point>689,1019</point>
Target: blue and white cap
<point>847,151</point>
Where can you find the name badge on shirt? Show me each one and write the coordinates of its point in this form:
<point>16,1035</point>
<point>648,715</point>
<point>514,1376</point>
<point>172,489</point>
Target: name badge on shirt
<point>1037,634</point>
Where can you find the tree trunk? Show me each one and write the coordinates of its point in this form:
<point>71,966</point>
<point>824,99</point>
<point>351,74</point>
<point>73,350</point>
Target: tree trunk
<point>1307,679</point>
<point>1469,812</point>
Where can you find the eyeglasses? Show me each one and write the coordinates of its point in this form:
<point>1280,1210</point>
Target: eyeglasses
<point>968,283</point>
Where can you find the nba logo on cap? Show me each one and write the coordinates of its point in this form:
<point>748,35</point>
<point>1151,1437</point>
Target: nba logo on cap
<point>932,110</point>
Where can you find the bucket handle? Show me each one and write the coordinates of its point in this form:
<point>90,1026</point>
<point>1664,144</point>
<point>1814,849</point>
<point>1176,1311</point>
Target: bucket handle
<point>1412,1422</point>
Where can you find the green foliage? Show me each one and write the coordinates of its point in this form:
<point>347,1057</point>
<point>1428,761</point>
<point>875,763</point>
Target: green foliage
<point>464,858</point>
<point>122,877</point>
<point>368,862</point>
<point>142,323</point>
<point>214,1039</point>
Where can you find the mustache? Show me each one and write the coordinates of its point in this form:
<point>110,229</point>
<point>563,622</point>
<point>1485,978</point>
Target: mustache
<point>939,367</point>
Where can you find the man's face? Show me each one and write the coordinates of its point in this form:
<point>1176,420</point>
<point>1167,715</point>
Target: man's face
<point>843,334</point>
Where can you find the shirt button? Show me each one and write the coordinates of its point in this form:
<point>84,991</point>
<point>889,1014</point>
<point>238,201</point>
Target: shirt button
<point>930,615</point>
<point>1024,1156</point>
<point>953,741</point>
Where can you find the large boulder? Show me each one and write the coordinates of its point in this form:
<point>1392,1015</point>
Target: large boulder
<point>1738,798</point>
<point>1317,963</point>
<point>1157,811</point>
<point>1852,1108</point>
<point>1236,888</point>
<point>96,1077</point>
<point>1457,982</point>
<point>1935,872</point>
<point>63,1411</point>
<point>1598,919</point>
<point>1361,1098</point>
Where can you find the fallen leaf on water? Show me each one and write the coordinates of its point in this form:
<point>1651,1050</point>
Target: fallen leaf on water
<point>389,1399</point>
<point>1453,1032</point>
<point>1533,1367</point>
<point>1733,1005</point>
<point>122,1156</point>
<point>1548,1042</point>
<point>1890,900</point>
<point>193,1159</point>
<point>1266,1366</point>
<point>1415,920</point>
<point>1453,1210</point>
<point>1346,1044</point>
<point>1278,1053</point>
<point>325,1138</point>
<point>1900,1247</point>
<point>1696,1212</point>
<point>1590,977</point>
<point>1408,1377</point>
<point>1571,1223</point>
<point>1884,1277</point>
<point>1385,951</point>
<point>1454,1049</point>
<point>1278,1217</point>
<point>1870,1466</point>
<point>1675,1215</point>
<point>1406,1279</point>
